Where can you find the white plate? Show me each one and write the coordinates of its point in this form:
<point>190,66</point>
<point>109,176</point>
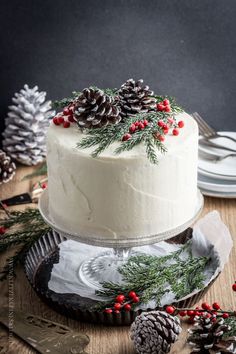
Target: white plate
<point>216,176</point>
<point>218,194</point>
<point>225,168</point>
<point>219,186</point>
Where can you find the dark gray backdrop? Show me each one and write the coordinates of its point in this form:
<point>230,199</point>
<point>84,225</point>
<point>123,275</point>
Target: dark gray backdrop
<point>186,48</point>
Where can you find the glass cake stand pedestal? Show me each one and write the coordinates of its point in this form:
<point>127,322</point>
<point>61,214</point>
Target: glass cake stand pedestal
<point>110,254</point>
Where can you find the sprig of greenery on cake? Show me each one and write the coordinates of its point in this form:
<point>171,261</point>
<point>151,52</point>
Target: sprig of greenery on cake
<point>130,115</point>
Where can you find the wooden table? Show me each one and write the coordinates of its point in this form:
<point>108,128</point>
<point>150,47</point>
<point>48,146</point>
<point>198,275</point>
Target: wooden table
<point>105,340</point>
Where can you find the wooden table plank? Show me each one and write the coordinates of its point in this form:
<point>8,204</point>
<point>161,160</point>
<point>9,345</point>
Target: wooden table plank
<point>108,340</point>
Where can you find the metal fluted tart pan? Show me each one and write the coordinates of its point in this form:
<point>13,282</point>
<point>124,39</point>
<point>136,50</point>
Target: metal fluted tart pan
<point>38,266</point>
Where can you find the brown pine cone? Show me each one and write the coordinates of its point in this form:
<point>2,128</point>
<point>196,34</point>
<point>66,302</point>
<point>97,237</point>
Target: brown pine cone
<point>7,168</point>
<point>153,332</point>
<point>94,109</point>
<point>207,335</point>
<point>135,98</point>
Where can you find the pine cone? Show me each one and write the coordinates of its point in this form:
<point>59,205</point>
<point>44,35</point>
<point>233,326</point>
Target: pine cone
<point>7,168</point>
<point>26,124</point>
<point>207,336</point>
<point>135,98</point>
<point>94,109</point>
<point>153,332</point>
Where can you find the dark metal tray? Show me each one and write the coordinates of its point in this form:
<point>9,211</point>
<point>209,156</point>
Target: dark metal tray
<point>38,266</point>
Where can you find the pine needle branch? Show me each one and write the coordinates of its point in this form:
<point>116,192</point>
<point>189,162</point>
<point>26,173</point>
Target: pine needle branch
<point>151,277</point>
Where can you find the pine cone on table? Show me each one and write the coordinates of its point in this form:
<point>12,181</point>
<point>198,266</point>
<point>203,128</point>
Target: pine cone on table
<point>26,125</point>
<point>94,109</point>
<point>153,332</point>
<point>207,337</point>
<point>135,98</point>
<point>7,168</point>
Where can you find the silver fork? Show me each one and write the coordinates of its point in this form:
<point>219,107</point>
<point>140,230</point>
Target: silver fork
<point>215,158</point>
<point>207,131</point>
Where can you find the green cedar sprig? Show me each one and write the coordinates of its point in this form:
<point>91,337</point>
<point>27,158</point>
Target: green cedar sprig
<point>23,229</point>
<point>105,136</point>
<point>151,277</point>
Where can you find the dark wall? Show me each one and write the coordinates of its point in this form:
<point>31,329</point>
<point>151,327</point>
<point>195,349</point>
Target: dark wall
<point>186,48</point>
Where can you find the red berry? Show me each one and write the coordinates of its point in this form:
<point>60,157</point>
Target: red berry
<point>127,136</point>
<point>234,287</point>
<point>182,313</point>
<point>216,306</point>
<point>160,123</point>
<point>207,315</point>
<point>60,119</point>
<point>141,126</point>
<point>167,109</point>
<point>71,119</point>
<point>225,315</point>
<point>160,137</point>
<point>181,124</point>
<point>127,307</point>
<point>120,298</point>
<point>44,185</point>
<point>136,124</point>
<point>165,126</point>
<point>117,311</point>
<point>213,319</point>
<point>170,310</point>
<point>165,131</point>
<point>166,102</point>
<point>191,313</point>
<point>132,128</point>
<point>2,230</point>
<point>191,319</point>
<point>205,306</point>
<point>108,311</point>
<point>175,131</point>
<point>55,121</point>
<point>66,124</point>
<point>160,107</point>
<point>66,111</point>
<point>132,294</point>
<point>135,299</point>
<point>170,120</point>
<point>145,122</point>
<point>117,306</point>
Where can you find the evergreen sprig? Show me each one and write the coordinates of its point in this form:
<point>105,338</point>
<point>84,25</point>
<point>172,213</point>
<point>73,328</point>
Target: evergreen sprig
<point>230,321</point>
<point>151,277</point>
<point>23,228</point>
<point>105,136</point>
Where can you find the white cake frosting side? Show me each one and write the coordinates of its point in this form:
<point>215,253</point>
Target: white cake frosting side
<point>121,196</point>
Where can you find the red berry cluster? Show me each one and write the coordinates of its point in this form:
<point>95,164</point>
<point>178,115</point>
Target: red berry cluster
<point>65,117</point>
<point>166,126</point>
<point>207,311</point>
<point>164,106</point>
<point>138,125</point>
<point>123,303</point>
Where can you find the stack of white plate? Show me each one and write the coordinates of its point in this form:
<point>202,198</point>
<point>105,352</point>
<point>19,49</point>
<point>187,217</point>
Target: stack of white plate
<point>217,179</point>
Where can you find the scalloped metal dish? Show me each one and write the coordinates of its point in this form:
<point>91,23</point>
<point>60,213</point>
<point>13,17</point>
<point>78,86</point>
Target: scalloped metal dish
<point>38,265</point>
<point>130,242</point>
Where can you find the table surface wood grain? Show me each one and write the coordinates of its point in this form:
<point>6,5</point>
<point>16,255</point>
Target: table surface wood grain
<point>107,340</point>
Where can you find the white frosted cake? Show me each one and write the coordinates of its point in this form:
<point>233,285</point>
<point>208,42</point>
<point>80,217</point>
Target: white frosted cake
<point>125,195</point>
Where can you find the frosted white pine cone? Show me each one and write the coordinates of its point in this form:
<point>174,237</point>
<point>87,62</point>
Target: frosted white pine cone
<point>26,125</point>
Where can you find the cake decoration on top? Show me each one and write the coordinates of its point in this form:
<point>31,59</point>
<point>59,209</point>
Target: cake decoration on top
<point>130,115</point>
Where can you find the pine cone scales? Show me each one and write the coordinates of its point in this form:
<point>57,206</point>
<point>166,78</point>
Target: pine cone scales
<point>94,109</point>
<point>26,123</point>
<point>135,98</point>
<point>7,168</point>
<point>153,332</point>
<point>207,335</point>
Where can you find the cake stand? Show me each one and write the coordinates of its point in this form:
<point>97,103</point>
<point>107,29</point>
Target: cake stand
<point>104,264</point>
